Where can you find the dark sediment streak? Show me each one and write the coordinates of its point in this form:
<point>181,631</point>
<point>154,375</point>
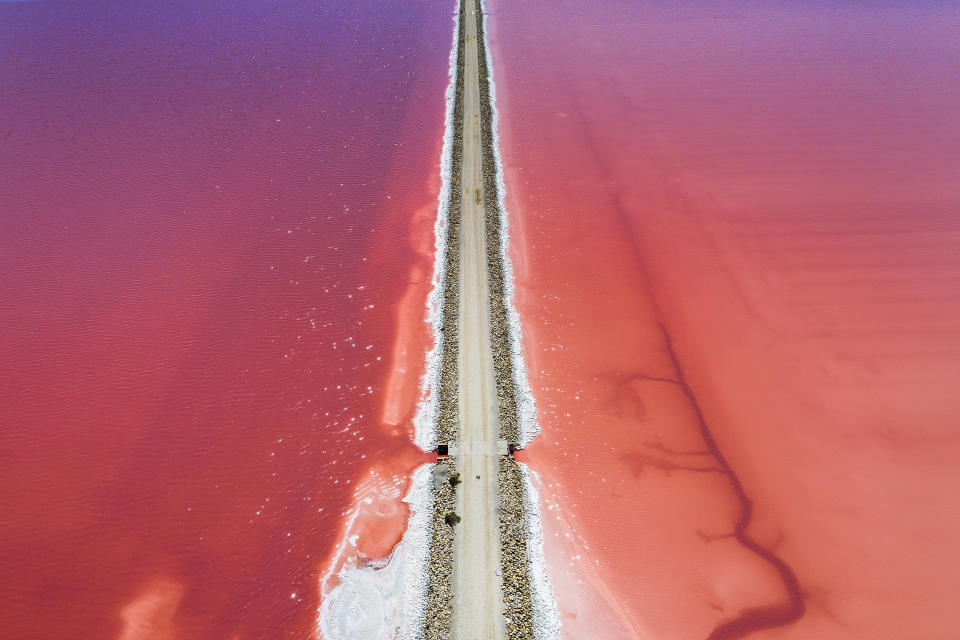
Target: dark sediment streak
<point>756,618</point>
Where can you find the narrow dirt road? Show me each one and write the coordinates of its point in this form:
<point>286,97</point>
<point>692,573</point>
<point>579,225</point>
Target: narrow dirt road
<point>478,599</point>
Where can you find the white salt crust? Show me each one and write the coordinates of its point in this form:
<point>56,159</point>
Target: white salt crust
<point>386,600</point>
<point>416,557</point>
<point>425,420</point>
<point>546,618</point>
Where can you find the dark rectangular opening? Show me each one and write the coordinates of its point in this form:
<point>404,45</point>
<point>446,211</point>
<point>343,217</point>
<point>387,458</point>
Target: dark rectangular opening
<point>442,449</point>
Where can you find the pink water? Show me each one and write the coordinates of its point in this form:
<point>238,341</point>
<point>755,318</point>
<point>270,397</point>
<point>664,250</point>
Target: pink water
<point>737,251</point>
<point>215,249</point>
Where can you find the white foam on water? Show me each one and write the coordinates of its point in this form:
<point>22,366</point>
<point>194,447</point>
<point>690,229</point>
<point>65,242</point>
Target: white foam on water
<point>526,407</point>
<point>546,619</point>
<point>385,600</point>
<point>425,420</point>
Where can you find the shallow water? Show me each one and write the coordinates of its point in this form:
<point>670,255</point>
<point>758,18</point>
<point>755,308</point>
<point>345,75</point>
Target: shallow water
<point>215,250</point>
<point>736,249</point>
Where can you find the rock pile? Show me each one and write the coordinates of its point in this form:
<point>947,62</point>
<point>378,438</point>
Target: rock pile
<point>518,608</point>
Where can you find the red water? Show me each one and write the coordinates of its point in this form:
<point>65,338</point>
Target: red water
<point>215,248</point>
<point>738,256</point>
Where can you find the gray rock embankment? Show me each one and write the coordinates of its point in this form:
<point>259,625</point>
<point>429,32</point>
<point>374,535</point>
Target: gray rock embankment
<point>447,413</point>
<point>499,322</point>
<point>439,607</point>
<point>439,613</point>
<point>514,562</point>
<point>514,557</point>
